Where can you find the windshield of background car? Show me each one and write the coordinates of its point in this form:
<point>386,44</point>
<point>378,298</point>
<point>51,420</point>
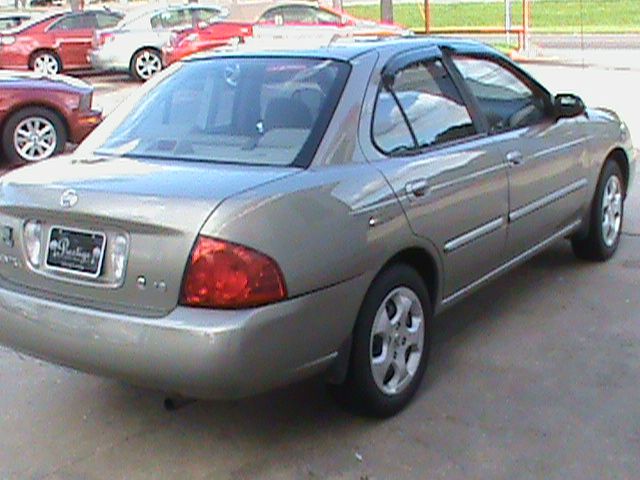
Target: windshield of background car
<point>258,111</point>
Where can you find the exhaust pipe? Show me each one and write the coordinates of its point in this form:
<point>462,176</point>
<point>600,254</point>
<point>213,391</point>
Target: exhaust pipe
<point>171,404</point>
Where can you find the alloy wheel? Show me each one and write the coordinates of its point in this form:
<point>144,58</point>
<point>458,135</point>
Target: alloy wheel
<point>35,139</point>
<point>46,64</point>
<point>611,210</point>
<point>147,64</point>
<point>397,341</point>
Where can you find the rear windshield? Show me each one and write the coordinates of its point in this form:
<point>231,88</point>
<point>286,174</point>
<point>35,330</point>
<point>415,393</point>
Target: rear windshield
<point>258,111</point>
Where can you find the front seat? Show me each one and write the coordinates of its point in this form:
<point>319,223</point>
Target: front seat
<point>287,113</point>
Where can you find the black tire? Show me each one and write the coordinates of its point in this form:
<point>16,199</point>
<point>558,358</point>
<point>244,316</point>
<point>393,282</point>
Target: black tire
<point>51,57</point>
<point>146,53</point>
<point>359,392</point>
<point>11,153</point>
<point>594,246</point>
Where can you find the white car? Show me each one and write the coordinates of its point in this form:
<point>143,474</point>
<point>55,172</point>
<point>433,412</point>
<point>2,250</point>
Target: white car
<point>135,44</point>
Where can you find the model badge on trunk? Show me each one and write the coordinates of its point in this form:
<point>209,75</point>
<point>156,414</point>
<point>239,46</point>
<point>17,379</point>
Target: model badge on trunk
<point>68,199</point>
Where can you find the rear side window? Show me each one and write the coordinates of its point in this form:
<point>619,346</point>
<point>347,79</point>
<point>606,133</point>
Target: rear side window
<point>327,18</point>
<point>299,14</point>
<point>205,15</point>
<point>506,101</point>
<point>422,108</point>
<point>270,15</point>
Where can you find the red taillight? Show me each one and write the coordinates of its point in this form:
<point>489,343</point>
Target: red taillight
<point>104,38</point>
<point>221,274</point>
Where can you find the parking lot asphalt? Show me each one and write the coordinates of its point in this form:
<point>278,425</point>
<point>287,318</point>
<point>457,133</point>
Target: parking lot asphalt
<point>535,376</point>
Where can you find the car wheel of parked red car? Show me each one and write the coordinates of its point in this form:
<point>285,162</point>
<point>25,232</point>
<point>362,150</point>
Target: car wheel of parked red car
<point>33,134</point>
<point>46,63</point>
<point>145,64</point>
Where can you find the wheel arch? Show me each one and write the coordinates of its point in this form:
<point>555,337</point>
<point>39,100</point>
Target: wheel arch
<point>21,106</point>
<point>44,50</point>
<point>426,265</point>
<point>619,156</point>
<point>145,47</point>
<point>422,262</point>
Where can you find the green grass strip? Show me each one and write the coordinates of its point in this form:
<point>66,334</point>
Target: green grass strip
<point>561,16</point>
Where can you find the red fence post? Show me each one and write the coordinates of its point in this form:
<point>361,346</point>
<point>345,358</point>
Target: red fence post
<point>526,13</point>
<point>427,16</point>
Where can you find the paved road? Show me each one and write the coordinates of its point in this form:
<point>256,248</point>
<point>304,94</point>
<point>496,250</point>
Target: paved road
<point>576,41</point>
<point>537,376</point>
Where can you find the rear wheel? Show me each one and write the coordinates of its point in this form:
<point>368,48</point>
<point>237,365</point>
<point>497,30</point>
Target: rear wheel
<point>33,134</point>
<point>390,344</point>
<point>46,63</point>
<point>607,212</point>
<point>145,64</point>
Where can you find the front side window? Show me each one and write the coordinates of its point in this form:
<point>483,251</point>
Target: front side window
<point>260,111</point>
<point>506,101</point>
<point>422,108</point>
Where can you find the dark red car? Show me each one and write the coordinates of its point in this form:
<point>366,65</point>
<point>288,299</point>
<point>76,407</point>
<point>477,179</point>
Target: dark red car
<point>55,43</point>
<point>39,115</point>
<point>203,37</point>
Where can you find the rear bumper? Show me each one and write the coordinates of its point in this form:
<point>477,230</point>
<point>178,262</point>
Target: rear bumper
<point>104,60</point>
<point>193,352</point>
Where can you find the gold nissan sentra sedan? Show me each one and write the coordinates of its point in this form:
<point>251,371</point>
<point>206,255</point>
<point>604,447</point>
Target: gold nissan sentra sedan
<point>252,219</point>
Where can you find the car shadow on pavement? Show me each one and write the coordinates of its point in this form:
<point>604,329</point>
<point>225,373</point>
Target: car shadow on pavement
<point>497,304</point>
<point>479,346</point>
<point>308,405</point>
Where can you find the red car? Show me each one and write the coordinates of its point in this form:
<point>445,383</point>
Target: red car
<point>55,43</point>
<point>319,17</point>
<point>203,37</point>
<point>38,115</point>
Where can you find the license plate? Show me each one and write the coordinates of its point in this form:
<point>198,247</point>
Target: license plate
<point>77,251</point>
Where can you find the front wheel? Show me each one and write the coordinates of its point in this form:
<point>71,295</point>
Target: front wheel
<point>145,64</point>
<point>390,344</point>
<point>607,212</point>
<point>33,134</point>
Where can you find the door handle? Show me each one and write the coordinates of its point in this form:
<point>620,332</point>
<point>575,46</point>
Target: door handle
<point>417,188</point>
<point>515,158</point>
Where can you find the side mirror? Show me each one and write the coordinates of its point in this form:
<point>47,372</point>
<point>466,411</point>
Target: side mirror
<point>202,25</point>
<point>568,105</point>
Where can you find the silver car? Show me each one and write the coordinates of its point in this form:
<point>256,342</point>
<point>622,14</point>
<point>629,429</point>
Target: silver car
<point>135,45</point>
<point>252,219</point>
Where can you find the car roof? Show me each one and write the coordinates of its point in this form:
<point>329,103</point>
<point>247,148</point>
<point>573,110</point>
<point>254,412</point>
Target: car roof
<point>160,7</point>
<point>294,3</point>
<point>347,51</point>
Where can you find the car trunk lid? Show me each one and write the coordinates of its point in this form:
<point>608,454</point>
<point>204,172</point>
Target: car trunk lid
<point>158,207</point>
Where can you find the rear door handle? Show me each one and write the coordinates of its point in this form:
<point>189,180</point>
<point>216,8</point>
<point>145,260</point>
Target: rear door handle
<point>515,158</point>
<point>417,188</point>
